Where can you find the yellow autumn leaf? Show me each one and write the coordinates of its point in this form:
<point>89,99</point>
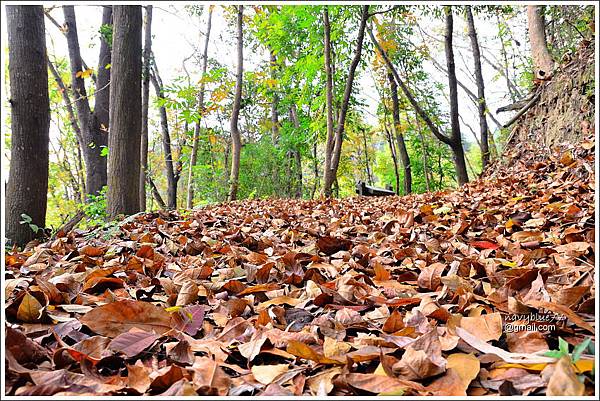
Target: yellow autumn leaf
<point>581,366</point>
<point>30,310</point>
<point>84,74</point>
<point>266,374</point>
<point>466,366</point>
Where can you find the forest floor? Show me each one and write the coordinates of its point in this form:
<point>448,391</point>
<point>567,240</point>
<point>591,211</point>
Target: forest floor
<point>447,293</point>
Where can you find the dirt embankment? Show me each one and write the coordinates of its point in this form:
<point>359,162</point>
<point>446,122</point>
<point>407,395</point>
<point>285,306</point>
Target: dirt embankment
<point>565,110</point>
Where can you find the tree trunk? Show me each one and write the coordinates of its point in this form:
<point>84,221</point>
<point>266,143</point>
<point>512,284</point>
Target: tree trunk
<point>94,138</point>
<point>72,120</point>
<point>450,141</point>
<point>456,145</point>
<point>424,151</point>
<point>236,140</point>
<point>26,192</point>
<point>166,140</point>
<point>404,158</point>
<point>339,133</point>
<point>194,155</point>
<point>125,112</point>
<point>145,104</point>
<point>542,61</point>
<point>102,96</point>
<point>327,178</point>
<point>481,105</point>
<point>367,163</point>
<point>296,152</point>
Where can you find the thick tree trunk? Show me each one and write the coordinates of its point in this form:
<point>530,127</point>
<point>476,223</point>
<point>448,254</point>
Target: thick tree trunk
<point>125,112</point>
<point>94,138</point>
<point>341,122</point>
<point>236,140</point>
<point>404,158</point>
<point>145,104</point>
<point>166,140</point>
<point>542,61</point>
<point>456,145</point>
<point>481,105</point>
<point>26,192</point>
<point>195,145</point>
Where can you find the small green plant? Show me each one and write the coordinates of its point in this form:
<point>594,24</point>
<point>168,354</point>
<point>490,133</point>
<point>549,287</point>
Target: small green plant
<point>586,346</point>
<point>28,220</point>
<point>563,349</point>
<point>95,208</point>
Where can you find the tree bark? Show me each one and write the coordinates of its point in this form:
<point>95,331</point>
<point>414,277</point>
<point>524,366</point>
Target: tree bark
<point>90,124</point>
<point>542,61</point>
<point>339,133</point>
<point>481,104</point>
<point>195,145</point>
<point>456,142</point>
<point>26,192</point>
<point>166,140</point>
<point>145,104</point>
<point>236,140</point>
<point>404,158</point>
<point>125,112</point>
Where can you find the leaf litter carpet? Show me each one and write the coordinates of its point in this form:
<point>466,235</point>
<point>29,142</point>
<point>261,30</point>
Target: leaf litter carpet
<point>459,292</point>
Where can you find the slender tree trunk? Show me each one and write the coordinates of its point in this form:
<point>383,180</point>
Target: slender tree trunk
<point>125,112</point>
<point>329,104</point>
<point>367,164</point>
<point>315,170</point>
<point>296,152</point>
<point>194,155</point>
<point>481,105</point>
<point>166,140</point>
<point>72,120</point>
<point>90,124</point>
<point>26,192</point>
<point>339,132</point>
<point>456,146</point>
<point>404,158</point>
<point>424,152</point>
<point>101,115</point>
<point>236,140</point>
<point>455,143</point>
<point>145,104</point>
<point>542,60</point>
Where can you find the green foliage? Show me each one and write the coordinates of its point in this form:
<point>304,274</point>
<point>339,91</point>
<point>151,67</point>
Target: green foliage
<point>27,220</point>
<point>106,31</point>
<point>586,346</point>
<point>95,208</point>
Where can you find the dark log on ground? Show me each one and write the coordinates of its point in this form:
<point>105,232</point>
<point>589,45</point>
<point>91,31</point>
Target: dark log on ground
<point>366,190</point>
